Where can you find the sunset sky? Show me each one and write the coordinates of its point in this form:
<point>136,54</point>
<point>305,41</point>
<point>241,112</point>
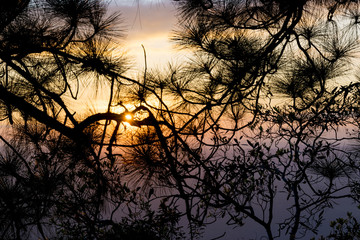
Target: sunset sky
<point>149,23</point>
<point>145,22</point>
<point>253,134</point>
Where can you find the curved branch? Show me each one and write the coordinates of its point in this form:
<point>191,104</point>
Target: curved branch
<point>34,112</point>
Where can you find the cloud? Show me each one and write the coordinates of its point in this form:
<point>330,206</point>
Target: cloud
<point>150,24</point>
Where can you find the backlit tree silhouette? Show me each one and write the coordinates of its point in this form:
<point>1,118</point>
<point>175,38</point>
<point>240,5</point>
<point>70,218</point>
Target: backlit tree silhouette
<point>259,116</point>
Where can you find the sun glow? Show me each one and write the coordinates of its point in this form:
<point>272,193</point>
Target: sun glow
<point>128,117</point>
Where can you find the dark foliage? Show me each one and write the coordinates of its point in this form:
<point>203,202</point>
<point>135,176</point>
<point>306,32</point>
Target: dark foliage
<point>266,109</point>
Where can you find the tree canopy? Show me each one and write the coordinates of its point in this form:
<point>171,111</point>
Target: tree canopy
<point>265,111</point>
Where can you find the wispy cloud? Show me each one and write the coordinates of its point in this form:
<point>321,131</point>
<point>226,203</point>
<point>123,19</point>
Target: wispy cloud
<point>148,23</point>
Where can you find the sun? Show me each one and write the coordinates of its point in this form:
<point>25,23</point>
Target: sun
<point>128,117</point>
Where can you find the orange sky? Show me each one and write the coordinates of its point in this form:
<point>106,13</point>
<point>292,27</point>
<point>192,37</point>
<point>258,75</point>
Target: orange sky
<point>149,23</point>
<point>146,22</point>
